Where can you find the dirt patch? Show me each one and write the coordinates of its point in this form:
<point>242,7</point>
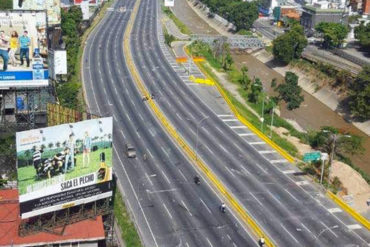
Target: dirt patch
<point>302,148</point>
<point>355,185</point>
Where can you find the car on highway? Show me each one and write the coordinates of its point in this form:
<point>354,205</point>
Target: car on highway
<point>130,151</point>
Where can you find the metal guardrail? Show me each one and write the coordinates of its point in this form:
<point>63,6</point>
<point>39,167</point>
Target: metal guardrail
<point>235,41</point>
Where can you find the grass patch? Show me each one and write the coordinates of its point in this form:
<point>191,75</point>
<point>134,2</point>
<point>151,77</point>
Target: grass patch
<point>127,227</point>
<point>6,4</point>
<point>182,27</point>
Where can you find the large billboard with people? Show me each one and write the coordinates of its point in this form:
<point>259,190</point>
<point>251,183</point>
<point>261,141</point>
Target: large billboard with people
<point>64,166</point>
<point>23,49</point>
<point>52,8</point>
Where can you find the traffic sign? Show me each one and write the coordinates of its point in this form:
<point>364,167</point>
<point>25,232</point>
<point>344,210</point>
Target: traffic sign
<point>313,156</point>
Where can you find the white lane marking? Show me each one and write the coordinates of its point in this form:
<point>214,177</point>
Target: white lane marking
<point>225,115</point>
<point>304,182</point>
<point>187,245</point>
<point>166,177</point>
<point>210,244</point>
<point>246,134</point>
<point>267,151</point>
<point>205,205</point>
<point>187,209</point>
<point>232,174</point>
<point>228,236</point>
<point>289,172</point>
<point>291,195</point>
<point>182,174</point>
<point>289,233</point>
<point>222,147</point>
<point>256,143</point>
<point>329,229</point>
<point>208,149</point>
<point>230,120</point>
<point>150,181</point>
<point>335,210</point>
<point>167,210</point>
<point>256,199</point>
<point>124,137</point>
<point>277,161</point>
<point>305,227</point>
<point>354,227</point>
<point>245,169</point>
<point>261,168</point>
<point>137,199</point>
<point>234,244</point>
<point>238,127</point>
<point>160,191</point>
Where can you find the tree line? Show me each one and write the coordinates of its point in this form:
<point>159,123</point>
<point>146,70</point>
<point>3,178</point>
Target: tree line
<point>241,13</point>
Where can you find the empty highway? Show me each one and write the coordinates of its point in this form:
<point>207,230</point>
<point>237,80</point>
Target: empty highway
<point>169,209</point>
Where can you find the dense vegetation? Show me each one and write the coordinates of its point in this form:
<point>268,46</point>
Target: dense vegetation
<point>68,92</point>
<point>290,45</point>
<point>360,95</point>
<point>290,91</point>
<point>332,33</point>
<point>6,4</point>
<point>362,33</point>
<point>241,14</point>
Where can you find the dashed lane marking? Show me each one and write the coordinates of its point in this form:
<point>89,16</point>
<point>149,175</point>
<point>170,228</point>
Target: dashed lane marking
<point>335,210</point>
<point>267,151</point>
<point>288,171</point>
<point>225,115</point>
<point>246,134</point>
<point>238,127</point>
<point>256,143</point>
<point>277,161</point>
<point>354,227</point>
<point>304,182</point>
<point>230,120</point>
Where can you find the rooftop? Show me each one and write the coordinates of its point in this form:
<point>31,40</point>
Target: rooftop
<point>314,9</point>
<point>87,230</point>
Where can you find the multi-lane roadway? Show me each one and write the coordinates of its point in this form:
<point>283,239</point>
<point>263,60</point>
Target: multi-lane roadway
<point>169,209</point>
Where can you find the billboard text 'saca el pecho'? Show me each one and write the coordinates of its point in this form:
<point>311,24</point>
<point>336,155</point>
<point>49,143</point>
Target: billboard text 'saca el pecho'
<point>23,49</point>
<point>64,165</point>
<point>52,8</point>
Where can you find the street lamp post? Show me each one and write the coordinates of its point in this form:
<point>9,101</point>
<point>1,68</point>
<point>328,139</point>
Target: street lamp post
<point>324,230</point>
<point>272,120</point>
<point>324,156</point>
<point>334,136</point>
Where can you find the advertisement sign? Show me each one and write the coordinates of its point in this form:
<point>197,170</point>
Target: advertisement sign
<point>169,3</point>
<point>24,49</point>
<point>91,2</point>
<point>52,8</point>
<point>64,166</point>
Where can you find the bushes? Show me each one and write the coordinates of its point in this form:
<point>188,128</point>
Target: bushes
<point>6,4</point>
<point>67,94</point>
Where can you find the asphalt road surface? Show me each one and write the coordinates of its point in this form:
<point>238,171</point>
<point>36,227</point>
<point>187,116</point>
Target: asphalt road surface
<point>169,209</point>
<point>289,208</point>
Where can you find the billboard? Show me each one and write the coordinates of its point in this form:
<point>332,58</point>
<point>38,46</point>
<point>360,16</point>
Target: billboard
<point>64,166</point>
<point>24,56</point>
<point>169,3</point>
<point>52,8</point>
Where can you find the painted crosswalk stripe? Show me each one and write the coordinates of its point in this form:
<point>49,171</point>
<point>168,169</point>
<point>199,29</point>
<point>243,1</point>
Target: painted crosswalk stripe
<point>335,210</point>
<point>289,172</point>
<point>267,151</point>
<point>238,127</point>
<point>354,227</point>
<point>256,143</point>
<point>304,182</point>
<point>246,134</point>
<point>230,120</point>
<point>225,115</point>
<point>277,161</point>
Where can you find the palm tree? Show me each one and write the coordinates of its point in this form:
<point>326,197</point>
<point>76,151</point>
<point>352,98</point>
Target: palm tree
<point>50,145</point>
<point>57,144</point>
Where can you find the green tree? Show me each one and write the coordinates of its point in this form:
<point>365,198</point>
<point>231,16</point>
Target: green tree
<point>333,33</point>
<point>290,91</point>
<point>359,100</point>
<point>244,80</point>
<point>228,61</point>
<point>243,14</point>
<point>329,140</point>
<point>362,33</point>
<point>256,90</point>
<point>6,4</point>
<point>50,145</point>
<point>290,45</point>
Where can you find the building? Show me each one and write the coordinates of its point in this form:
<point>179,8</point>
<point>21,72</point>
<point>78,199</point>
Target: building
<point>321,12</point>
<point>87,233</point>
<point>366,7</point>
